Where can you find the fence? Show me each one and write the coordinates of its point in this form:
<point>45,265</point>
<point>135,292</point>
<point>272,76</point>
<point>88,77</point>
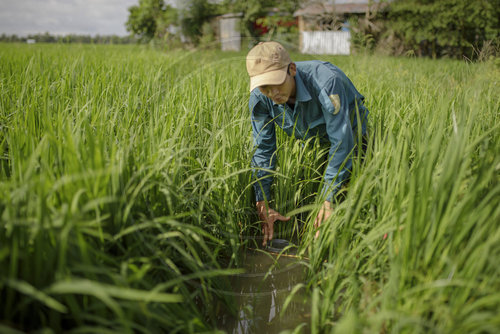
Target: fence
<point>326,42</point>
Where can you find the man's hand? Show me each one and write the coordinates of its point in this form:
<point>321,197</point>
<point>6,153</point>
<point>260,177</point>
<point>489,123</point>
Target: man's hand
<point>268,216</point>
<point>324,213</point>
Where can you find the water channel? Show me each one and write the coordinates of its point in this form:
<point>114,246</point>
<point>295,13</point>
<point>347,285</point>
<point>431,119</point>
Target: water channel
<point>261,292</point>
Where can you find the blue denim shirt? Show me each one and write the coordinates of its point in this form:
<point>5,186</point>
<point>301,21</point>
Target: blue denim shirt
<point>326,105</point>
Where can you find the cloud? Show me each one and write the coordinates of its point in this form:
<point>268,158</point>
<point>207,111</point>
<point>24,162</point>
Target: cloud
<point>104,17</point>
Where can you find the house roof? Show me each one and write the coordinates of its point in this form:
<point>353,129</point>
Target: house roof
<point>341,7</point>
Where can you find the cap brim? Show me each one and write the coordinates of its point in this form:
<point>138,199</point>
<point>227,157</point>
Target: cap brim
<point>276,77</point>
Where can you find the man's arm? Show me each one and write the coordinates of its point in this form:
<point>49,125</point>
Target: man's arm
<point>264,159</point>
<point>339,131</point>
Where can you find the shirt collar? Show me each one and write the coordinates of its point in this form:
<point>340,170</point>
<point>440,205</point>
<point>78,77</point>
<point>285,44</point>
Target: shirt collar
<point>301,93</point>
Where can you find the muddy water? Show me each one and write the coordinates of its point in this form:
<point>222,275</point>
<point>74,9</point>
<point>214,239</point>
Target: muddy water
<point>261,292</point>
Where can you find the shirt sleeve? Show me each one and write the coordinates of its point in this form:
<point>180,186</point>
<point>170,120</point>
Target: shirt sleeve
<point>335,107</point>
<point>264,157</point>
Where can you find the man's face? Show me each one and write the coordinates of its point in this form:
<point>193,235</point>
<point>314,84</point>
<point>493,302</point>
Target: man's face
<point>281,93</point>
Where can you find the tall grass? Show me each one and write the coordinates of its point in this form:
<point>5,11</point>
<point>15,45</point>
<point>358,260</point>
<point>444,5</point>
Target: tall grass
<point>414,247</point>
<point>116,165</point>
<point>125,194</point>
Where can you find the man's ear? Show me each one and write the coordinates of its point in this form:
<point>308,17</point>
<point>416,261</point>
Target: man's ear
<point>293,69</point>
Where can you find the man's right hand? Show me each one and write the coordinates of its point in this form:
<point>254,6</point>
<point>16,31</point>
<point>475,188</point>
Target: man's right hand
<point>268,216</point>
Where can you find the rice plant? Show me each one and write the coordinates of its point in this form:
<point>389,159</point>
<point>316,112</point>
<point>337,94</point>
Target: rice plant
<point>126,197</point>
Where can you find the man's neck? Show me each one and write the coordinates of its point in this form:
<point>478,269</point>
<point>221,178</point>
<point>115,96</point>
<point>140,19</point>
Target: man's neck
<point>291,99</point>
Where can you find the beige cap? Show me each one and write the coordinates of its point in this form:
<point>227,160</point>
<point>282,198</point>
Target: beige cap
<point>267,64</point>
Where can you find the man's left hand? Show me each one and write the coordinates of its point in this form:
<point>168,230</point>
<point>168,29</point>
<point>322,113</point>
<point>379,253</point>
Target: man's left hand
<point>324,213</point>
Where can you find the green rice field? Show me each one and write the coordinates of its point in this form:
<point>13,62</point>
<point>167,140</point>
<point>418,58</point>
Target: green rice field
<point>126,201</point>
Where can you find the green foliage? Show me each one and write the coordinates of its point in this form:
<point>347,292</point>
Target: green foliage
<point>113,207</point>
<point>207,39</point>
<point>150,18</point>
<point>193,16</point>
<point>413,248</point>
<point>253,10</point>
<point>282,28</point>
<point>454,28</point>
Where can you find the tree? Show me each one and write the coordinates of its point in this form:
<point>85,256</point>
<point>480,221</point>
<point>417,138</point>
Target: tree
<point>150,19</point>
<point>193,16</point>
<point>254,10</point>
<point>446,27</point>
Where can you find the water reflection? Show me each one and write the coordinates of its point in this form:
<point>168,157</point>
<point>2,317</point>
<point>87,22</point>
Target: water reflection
<point>261,293</point>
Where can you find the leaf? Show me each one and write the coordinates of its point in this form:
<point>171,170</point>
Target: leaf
<point>8,330</point>
<point>105,291</point>
<point>29,290</point>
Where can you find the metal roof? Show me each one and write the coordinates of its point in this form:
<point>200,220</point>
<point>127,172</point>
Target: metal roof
<point>356,7</point>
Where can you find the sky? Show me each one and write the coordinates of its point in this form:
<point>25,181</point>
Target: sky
<point>62,17</point>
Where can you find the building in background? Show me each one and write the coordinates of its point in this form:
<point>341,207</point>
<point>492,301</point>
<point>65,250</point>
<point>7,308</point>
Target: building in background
<point>229,31</point>
<point>324,27</point>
